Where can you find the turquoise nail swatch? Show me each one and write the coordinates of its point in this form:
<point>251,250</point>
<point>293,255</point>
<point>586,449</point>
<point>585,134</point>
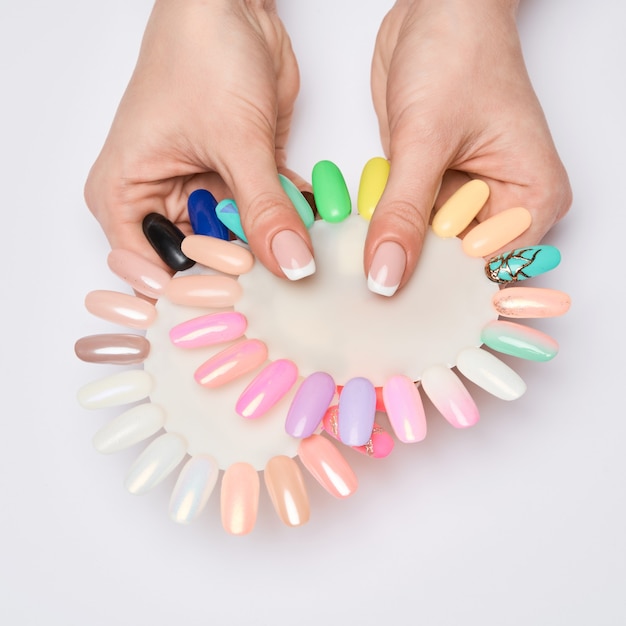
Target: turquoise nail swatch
<point>298,200</point>
<point>228,213</point>
<point>519,341</point>
<point>522,263</point>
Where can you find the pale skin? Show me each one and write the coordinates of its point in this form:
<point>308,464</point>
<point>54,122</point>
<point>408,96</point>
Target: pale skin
<point>449,87</point>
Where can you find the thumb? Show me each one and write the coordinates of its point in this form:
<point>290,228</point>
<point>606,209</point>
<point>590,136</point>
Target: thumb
<point>275,231</point>
<point>398,226</point>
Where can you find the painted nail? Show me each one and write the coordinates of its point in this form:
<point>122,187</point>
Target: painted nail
<point>208,330</point>
<point>114,390</point>
<point>309,404</point>
<point>239,498</point>
<point>155,463</point>
<point>489,372</point>
<point>267,388</point>
<point>357,409</point>
<point>520,341</point>
<point>298,200</point>
<point>129,428</point>
<point>378,446</point>
<point>328,466</point>
<point>228,213</point>
<point>120,308</point>
<point>387,268</point>
<point>165,237</point>
<point>371,186</point>
<point>293,255</point>
<point>404,409</point>
<point>449,395</point>
<point>286,489</point>
<point>231,363</point>
<point>142,275</point>
<point>118,349</point>
<point>193,488</point>
<point>330,191</point>
<point>529,302</point>
<point>203,291</point>
<point>496,232</point>
<point>380,404</point>
<point>458,211</point>
<point>220,255</point>
<point>522,263</point>
<point>202,216</point>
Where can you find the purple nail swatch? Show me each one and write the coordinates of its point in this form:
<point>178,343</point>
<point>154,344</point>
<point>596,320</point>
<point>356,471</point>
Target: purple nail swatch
<point>310,404</point>
<point>356,412</point>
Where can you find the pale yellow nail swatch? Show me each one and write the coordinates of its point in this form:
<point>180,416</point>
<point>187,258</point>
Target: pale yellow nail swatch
<point>460,208</point>
<point>371,186</point>
<point>496,232</point>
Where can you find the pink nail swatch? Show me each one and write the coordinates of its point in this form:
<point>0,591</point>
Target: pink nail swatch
<point>208,330</point>
<point>404,409</point>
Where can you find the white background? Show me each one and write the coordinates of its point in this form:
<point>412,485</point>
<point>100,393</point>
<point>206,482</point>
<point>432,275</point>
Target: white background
<point>520,520</point>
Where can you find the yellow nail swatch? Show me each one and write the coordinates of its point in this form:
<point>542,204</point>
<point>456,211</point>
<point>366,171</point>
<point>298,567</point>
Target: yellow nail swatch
<point>460,208</point>
<point>496,232</point>
<point>373,180</point>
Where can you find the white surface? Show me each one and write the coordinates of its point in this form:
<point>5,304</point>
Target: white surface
<point>519,520</point>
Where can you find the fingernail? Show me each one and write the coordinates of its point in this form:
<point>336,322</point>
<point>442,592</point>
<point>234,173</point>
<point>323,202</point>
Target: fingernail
<point>203,218</point>
<point>357,409</point>
<point>203,291</point>
<point>118,349</point>
<point>165,237</point>
<point>309,404</point>
<point>449,396</point>
<point>228,213</point>
<point>460,208</point>
<point>286,489</point>
<point>328,466</point>
<point>142,275</point>
<point>332,197</point>
<point>522,263</point>
<point>519,340</point>
<point>239,498</point>
<point>530,302</point>
<point>207,330</point>
<point>120,308</point>
<point>192,490</point>
<point>404,409</point>
<point>371,186</point>
<point>293,255</point>
<point>298,200</point>
<point>387,268</point>
<point>267,388</point>
<point>117,389</point>
<point>496,232</point>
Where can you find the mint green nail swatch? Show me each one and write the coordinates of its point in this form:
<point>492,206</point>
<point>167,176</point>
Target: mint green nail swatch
<point>519,341</point>
<point>228,213</point>
<point>522,263</point>
<point>330,192</point>
<point>298,200</point>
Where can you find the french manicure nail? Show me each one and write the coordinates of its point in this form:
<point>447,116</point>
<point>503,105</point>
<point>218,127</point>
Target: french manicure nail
<point>387,268</point>
<point>293,255</point>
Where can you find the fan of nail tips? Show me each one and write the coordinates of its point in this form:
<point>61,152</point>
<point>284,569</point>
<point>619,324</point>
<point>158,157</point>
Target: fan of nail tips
<point>242,372</point>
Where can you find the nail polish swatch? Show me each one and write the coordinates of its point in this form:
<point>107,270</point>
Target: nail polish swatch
<point>293,255</point>
<point>298,200</point>
<point>231,363</point>
<point>530,302</point>
<point>387,269</point>
<point>371,186</point>
<point>522,263</point>
<point>120,308</point>
<point>496,232</point>
<point>155,463</point>
<point>328,466</point>
<point>239,498</point>
<point>286,489</point>
<point>458,211</point>
<point>202,216</point>
<point>267,388</point>
<point>117,389</point>
<point>489,372</point>
<point>449,395</point>
<point>309,404</point>
<point>228,213</point>
<point>220,255</point>
<point>193,488</point>
<point>117,349</point>
<point>165,237</point>
<point>142,275</point>
<point>208,330</point>
<point>129,428</point>
<point>332,197</point>
<point>203,291</point>
<point>405,409</point>
<point>357,409</point>
<point>519,341</point>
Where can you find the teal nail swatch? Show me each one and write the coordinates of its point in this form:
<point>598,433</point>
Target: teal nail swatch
<point>519,341</point>
<point>330,191</point>
<point>228,213</point>
<point>298,200</point>
<point>522,263</point>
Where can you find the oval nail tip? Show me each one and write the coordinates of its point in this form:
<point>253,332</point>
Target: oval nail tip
<point>115,390</point>
<point>196,482</point>
<point>239,499</point>
<point>285,486</point>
